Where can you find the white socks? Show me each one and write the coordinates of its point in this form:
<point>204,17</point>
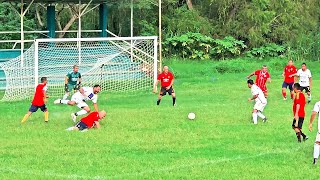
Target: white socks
<point>309,97</point>
<point>64,101</point>
<point>261,115</point>
<point>316,151</point>
<point>65,97</point>
<point>81,112</point>
<point>70,128</point>
<point>255,118</point>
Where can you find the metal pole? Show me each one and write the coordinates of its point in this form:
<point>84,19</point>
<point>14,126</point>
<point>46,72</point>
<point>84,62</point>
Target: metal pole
<point>155,62</point>
<point>79,33</point>
<point>131,31</point>
<point>36,63</point>
<point>160,36</point>
<point>21,33</point>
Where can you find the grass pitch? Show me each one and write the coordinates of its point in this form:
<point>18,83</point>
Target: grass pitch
<point>141,140</point>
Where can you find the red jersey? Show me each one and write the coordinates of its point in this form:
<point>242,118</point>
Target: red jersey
<point>261,79</point>
<point>165,78</point>
<point>90,119</point>
<point>39,95</point>
<point>289,70</point>
<point>299,99</point>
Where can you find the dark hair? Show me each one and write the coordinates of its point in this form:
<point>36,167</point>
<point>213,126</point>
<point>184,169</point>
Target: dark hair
<point>303,64</point>
<point>250,81</point>
<point>43,79</point>
<point>297,86</point>
<point>74,66</point>
<point>264,65</point>
<point>97,85</point>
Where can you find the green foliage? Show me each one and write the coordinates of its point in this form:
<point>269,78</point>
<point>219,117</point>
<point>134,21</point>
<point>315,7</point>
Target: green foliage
<point>269,50</point>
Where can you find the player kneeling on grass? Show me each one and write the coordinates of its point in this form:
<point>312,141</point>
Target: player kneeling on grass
<point>260,104</point>
<point>166,79</point>
<point>90,121</point>
<point>79,98</point>
<point>316,148</point>
<point>39,100</point>
<point>299,103</point>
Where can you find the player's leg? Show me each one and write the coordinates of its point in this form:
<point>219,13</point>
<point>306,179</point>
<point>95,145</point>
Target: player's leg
<point>291,90</point>
<point>32,109</point>
<point>84,110</point>
<point>173,94</point>
<point>297,129</point>
<point>44,109</point>
<point>300,124</point>
<point>255,116</point>
<point>284,90</point>
<point>316,149</point>
<point>161,93</point>
<point>309,94</point>
<point>260,109</point>
<point>65,96</point>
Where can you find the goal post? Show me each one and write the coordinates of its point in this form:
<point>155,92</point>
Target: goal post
<point>118,64</point>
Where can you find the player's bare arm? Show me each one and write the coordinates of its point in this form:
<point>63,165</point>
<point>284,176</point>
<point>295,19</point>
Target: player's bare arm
<point>81,91</point>
<point>97,124</point>
<point>249,76</point>
<point>313,115</point>
<point>66,83</point>
<point>296,116</point>
<point>253,97</point>
<point>95,105</point>
<point>170,85</point>
<point>269,80</point>
<point>310,81</point>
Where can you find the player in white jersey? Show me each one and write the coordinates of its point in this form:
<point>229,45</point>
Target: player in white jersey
<point>315,111</point>
<point>260,102</point>
<point>79,98</point>
<point>305,80</point>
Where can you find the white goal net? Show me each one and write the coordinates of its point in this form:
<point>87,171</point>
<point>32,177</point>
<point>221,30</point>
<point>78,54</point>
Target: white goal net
<point>118,64</point>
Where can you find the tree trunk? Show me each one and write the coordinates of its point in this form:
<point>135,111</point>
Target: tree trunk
<point>189,4</point>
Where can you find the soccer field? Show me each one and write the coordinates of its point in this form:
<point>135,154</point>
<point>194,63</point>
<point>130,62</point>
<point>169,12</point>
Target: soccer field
<point>141,140</point>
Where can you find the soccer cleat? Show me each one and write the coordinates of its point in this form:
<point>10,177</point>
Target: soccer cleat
<point>305,138</point>
<point>264,120</point>
<point>284,98</point>
<point>309,101</point>
<point>73,117</point>
<point>58,101</point>
<point>315,161</point>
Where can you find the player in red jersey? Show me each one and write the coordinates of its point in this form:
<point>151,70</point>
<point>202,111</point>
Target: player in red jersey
<point>90,121</point>
<point>288,73</point>
<point>39,100</point>
<point>299,103</point>
<point>262,77</point>
<point>166,78</point>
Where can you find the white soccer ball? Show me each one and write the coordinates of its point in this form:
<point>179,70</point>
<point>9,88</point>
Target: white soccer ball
<point>191,116</point>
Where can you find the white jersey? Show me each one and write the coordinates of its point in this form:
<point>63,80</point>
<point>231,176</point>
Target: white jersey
<point>316,108</point>
<point>255,90</point>
<point>304,77</point>
<point>89,95</point>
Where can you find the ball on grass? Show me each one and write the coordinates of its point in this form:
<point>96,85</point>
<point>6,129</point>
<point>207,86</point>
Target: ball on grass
<point>191,116</point>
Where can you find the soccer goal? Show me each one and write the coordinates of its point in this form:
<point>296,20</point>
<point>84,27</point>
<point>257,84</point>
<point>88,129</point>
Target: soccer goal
<point>118,64</point>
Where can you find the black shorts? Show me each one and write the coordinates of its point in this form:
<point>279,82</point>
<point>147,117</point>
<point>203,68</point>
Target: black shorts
<point>34,108</point>
<point>306,89</point>
<point>81,126</point>
<point>300,123</point>
<point>164,91</point>
<point>285,85</point>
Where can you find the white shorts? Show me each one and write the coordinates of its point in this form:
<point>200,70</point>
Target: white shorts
<point>318,136</point>
<point>259,106</point>
<point>78,98</point>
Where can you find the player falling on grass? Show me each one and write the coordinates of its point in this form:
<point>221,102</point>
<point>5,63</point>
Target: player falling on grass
<point>90,121</point>
<point>72,81</point>
<point>166,78</point>
<point>260,102</point>
<point>79,98</point>
<point>288,73</point>
<point>299,103</point>
<point>39,100</point>
<point>305,80</point>
<point>316,110</point>
<point>262,77</point>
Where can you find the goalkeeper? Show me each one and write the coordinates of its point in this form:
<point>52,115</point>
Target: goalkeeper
<point>72,81</point>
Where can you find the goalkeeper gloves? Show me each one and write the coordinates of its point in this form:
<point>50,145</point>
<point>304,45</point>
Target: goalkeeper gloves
<point>77,87</point>
<point>66,88</point>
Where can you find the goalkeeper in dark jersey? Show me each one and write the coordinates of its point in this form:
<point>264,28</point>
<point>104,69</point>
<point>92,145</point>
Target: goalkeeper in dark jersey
<point>72,81</point>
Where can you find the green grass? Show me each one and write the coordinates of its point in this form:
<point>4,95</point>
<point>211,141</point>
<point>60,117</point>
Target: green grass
<point>139,140</point>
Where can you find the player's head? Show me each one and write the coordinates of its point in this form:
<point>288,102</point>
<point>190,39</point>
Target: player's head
<point>102,114</point>
<point>264,68</point>
<point>44,80</point>
<point>296,87</point>
<point>303,66</point>
<point>290,62</point>
<point>250,83</point>
<point>75,68</point>
<point>96,89</point>
<point>165,69</point>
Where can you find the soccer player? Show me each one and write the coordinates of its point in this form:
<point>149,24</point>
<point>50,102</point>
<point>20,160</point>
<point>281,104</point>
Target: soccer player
<point>305,80</point>
<point>72,81</point>
<point>90,121</point>
<point>288,73</point>
<point>166,79</point>
<point>79,98</point>
<point>39,100</point>
<point>260,100</point>
<point>262,77</point>
<point>299,103</point>
<point>316,148</point>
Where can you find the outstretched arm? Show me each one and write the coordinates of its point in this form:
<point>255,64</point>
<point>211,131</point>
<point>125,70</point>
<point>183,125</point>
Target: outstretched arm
<point>249,76</point>
<point>95,105</point>
<point>313,115</point>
